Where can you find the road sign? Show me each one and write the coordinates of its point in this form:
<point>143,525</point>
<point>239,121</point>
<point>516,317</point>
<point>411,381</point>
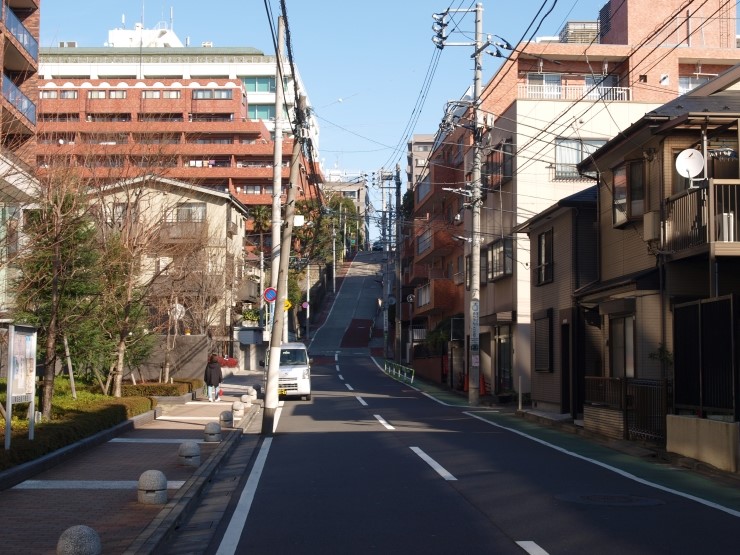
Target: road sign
<point>288,305</point>
<point>270,294</point>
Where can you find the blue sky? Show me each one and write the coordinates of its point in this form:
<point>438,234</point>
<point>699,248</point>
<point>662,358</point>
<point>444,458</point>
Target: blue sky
<point>364,63</point>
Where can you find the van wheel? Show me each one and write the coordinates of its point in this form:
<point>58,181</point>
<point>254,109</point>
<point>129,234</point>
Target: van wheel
<point>307,397</point>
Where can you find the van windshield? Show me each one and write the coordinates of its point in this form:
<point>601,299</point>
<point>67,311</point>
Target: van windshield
<point>292,357</point>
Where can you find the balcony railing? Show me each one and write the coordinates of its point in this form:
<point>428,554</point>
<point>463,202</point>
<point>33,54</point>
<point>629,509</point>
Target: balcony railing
<point>21,102</point>
<point>573,92</point>
<point>19,31</point>
<point>702,215</point>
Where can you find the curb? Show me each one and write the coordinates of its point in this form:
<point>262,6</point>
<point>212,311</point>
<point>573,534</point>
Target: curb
<point>25,471</point>
<point>179,508</point>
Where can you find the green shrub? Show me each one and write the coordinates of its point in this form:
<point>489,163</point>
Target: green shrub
<point>194,384</point>
<point>159,389</point>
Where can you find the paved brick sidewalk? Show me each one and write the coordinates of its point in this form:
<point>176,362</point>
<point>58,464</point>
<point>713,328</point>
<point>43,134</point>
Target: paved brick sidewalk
<point>98,485</point>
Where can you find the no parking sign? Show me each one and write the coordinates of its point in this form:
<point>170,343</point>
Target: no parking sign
<point>270,294</point>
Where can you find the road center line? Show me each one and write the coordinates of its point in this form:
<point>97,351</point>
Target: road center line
<point>531,548</point>
<point>349,387</point>
<point>361,400</point>
<point>340,377</point>
<point>383,422</point>
<point>337,367</point>
<point>439,469</point>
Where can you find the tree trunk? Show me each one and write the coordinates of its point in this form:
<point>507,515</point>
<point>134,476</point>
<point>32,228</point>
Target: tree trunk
<point>118,372</point>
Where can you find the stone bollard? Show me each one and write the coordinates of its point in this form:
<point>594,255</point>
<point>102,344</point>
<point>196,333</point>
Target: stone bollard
<point>226,419</point>
<point>247,400</point>
<point>212,432</point>
<point>253,392</point>
<point>237,409</point>
<point>153,488</point>
<point>79,540</point>
<point>189,453</point>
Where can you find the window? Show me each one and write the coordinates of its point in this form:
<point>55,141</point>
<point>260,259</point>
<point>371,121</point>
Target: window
<point>117,94</point>
<point>629,192</point>
<point>170,94</point>
<point>543,85</point>
<point>264,84</point>
<point>500,259</point>
<point>49,94</point>
<point>95,94</point>
<point>569,152</point>
<point>200,94</point>
<point>601,86</point>
<point>688,83</point>
<point>261,111</point>
<point>191,212</point>
<point>67,95</point>
<point>150,94</point>
<point>544,266</point>
<point>252,190</point>
<point>622,346</point>
<point>543,340</point>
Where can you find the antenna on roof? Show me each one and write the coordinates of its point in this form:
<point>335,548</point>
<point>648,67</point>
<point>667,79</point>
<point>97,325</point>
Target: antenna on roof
<point>172,18</point>
<point>123,20</point>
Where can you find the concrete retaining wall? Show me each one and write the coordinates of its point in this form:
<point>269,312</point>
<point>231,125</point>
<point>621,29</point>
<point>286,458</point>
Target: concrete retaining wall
<point>709,441</point>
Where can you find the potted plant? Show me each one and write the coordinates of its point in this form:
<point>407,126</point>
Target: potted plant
<point>251,315</point>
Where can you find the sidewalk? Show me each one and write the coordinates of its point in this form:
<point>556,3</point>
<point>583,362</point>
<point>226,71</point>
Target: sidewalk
<point>96,482</point>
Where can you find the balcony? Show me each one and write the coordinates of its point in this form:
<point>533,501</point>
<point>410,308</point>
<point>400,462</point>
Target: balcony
<point>18,100</point>
<point>21,34</point>
<point>432,244</point>
<point>183,232</point>
<point>437,297</point>
<point>704,218</point>
<point>573,92</point>
<point>421,273</point>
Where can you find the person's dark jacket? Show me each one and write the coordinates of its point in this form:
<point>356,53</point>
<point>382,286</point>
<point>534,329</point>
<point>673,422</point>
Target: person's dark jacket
<point>213,374</point>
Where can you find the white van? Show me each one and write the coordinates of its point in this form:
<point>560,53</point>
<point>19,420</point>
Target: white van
<point>294,376</point>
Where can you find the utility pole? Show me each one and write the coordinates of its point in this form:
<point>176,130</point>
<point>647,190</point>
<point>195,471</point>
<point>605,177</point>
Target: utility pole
<point>271,388</point>
<point>277,160</point>
<point>475,200</point>
<point>399,231</point>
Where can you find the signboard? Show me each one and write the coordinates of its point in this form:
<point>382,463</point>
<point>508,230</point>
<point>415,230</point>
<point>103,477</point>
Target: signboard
<point>287,305</point>
<point>270,294</point>
<point>474,325</point>
<point>21,375</point>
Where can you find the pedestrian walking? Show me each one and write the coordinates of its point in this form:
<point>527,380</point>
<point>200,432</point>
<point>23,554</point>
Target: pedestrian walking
<point>213,378</point>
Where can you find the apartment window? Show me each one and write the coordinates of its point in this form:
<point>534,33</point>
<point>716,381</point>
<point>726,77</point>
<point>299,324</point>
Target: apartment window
<point>117,94</point>
<point>601,86</point>
<point>261,111</point>
<point>200,94</point>
<point>67,95</point>
<point>349,194</point>
<point>500,259</point>
<point>170,94</point>
<point>543,85</point>
<point>629,192</point>
<point>622,346</point>
<point>543,340</point>
<point>544,266</point>
<point>259,84</point>
<point>95,94</point>
<point>252,190</point>
<point>48,94</point>
<point>425,241</point>
<point>150,94</point>
<point>569,152</point>
<point>688,83</point>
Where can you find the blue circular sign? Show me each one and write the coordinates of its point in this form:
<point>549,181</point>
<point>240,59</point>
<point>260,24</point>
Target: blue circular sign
<point>270,294</point>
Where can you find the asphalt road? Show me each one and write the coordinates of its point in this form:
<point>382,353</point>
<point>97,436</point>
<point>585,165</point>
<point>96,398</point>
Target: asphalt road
<point>371,465</point>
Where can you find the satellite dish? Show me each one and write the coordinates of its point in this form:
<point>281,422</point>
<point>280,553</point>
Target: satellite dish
<point>689,163</point>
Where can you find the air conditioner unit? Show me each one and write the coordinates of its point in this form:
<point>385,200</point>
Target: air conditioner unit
<point>726,227</point>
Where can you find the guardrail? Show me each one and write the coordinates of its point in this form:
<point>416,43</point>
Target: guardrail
<point>398,371</point>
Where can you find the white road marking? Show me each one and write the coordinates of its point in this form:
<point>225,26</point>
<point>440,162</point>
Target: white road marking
<point>337,367</point>
<point>341,377</point>
<point>438,468</point>
<point>148,440</point>
<point>89,484</point>
<point>383,422</point>
<point>614,469</point>
<point>361,400</point>
<point>188,418</point>
<point>531,548</point>
<point>349,387</point>
<point>239,518</point>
